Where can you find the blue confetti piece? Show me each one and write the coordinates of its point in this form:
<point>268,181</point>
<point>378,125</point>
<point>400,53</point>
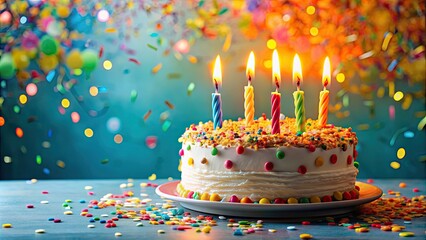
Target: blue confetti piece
<point>50,75</point>
<point>126,71</point>
<point>408,134</point>
<point>46,171</point>
<point>102,89</point>
<point>392,65</point>
<point>49,133</point>
<point>154,34</point>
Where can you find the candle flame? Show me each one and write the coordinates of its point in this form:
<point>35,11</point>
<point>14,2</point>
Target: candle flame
<point>276,73</point>
<point>326,78</point>
<point>297,71</point>
<point>217,74</point>
<point>250,67</point>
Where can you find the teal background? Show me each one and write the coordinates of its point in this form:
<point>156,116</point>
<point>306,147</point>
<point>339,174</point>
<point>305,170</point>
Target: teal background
<point>85,157</point>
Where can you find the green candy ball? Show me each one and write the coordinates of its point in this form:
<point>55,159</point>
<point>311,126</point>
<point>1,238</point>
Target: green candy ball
<point>90,60</point>
<point>7,66</point>
<point>49,45</point>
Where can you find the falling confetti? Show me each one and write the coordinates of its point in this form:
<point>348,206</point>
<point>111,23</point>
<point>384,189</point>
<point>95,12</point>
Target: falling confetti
<point>190,88</point>
<point>173,75</point>
<point>169,104</point>
<point>133,96</point>
<point>166,125</point>
<point>157,68</point>
<point>147,114</point>
<point>60,164</point>
<point>133,60</point>
<point>151,142</point>
<point>104,161</point>
<point>38,159</point>
<point>152,177</point>
<point>152,47</point>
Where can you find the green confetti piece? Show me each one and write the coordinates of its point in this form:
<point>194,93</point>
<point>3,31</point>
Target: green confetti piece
<point>173,75</point>
<point>223,10</point>
<point>201,3</point>
<point>345,100</point>
<point>16,109</point>
<point>191,88</point>
<point>105,161</point>
<point>133,96</point>
<point>152,47</point>
<point>60,88</point>
<point>38,159</point>
<point>166,125</point>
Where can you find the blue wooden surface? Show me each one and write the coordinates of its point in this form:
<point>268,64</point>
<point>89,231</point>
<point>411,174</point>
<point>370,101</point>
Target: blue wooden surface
<point>15,195</point>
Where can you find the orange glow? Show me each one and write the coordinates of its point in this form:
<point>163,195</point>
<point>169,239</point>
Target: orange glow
<point>297,71</point>
<point>250,67</point>
<point>326,78</point>
<point>217,73</point>
<point>276,73</point>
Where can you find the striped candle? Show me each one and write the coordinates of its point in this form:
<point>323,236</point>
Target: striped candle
<point>324,95</point>
<point>299,96</point>
<point>275,96</point>
<point>216,98</point>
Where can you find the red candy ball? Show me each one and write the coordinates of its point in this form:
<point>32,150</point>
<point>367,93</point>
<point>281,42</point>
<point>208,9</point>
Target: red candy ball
<point>326,199</point>
<point>240,150</point>
<point>268,166</point>
<point>181,152</point>
<point>311,148</point>
<point>333,158</point>
<point>347,196</point>
<point>234,198</point>
<point>302,169</point>
<point>228,164</point>
<point>279,201</point>
<point>349,160</point>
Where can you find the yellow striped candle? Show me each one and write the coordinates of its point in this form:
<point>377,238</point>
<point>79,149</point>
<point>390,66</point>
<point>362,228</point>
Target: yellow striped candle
<point>249,91</point>
<point>299,96</point>
<point>324,94</point>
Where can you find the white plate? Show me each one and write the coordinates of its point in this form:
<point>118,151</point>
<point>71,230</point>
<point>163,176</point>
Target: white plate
<point>368,193</point>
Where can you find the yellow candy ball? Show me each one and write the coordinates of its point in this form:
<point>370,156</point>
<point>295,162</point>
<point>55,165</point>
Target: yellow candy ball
<point>338,195</point>
<point>264,201</point>
<point>48,63</point>
<point>315,199</point>
<point>292,201</point>
<point>205,196</point>
<point>215,197</point>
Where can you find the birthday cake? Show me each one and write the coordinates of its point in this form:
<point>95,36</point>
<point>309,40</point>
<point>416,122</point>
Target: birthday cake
<point>248,164</point>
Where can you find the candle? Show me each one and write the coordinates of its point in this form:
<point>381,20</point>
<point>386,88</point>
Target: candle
<point>249,91</point>
<point>323,103</point>
<point>275,96</point>
<point>299,106</point>
<point>216,99</point>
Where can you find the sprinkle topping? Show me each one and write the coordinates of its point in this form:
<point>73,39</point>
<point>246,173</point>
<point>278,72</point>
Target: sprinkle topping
<point>258,135</point>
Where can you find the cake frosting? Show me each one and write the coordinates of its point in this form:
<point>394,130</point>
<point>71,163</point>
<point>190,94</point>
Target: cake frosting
<point>240,163</point>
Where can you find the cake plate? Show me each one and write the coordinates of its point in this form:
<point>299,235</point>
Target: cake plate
<point>368,193</point>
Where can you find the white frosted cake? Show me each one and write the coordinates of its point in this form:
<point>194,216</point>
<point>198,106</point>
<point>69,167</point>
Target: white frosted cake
<point>243,164</point>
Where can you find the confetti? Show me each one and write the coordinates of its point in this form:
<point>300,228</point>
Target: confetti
<point>190,88</point>
<point>60,164</point>
<point>157,68</point>
<point>152,47</point>
<point>133,96</point>
<point>146,115</point>
<point>133,60</point>
<point>152,177</point>
<point>151,142</point>
<point>192,59</point>
<point>169,104</point>
<point>173,76</point>
<point>166,125</point>
<point>104,161</point>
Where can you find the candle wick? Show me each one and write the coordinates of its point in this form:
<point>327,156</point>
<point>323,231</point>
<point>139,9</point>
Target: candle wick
<point>216,85</point>
<point>249,79</point>
<point>298,83</point>
<point>277,83</point>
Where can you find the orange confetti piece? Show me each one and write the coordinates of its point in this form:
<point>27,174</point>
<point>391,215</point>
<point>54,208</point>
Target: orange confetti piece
<point>192,59</point>
<point>147,114</point>
<point>157,68</point>
<point>110,30</point>
<point>227,43</point>
<point>134,61</point>
<point>169,104</point>
<point>19,132</point>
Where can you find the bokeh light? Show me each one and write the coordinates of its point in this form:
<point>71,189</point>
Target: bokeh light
<point>182,46</point>
<point>398,96</point>
<point>340,77</point>
<point>310,10</point>
<point>31,89</point>
<point>103,15</point>
<point>75,117</point>
<point>65,103</point>
<point>400,153</point>
<point>271,44</point>
<point>2,121</point>
<point>107,65</point>
<point>118,138</point>
<point>23,98</point>
<point>93,90</point>
<point>267,64</point>
<point>88,132</point>
<point>113,124</point>
<point>19,132</point>
<point>5,18</point>
<point>313,31</point>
